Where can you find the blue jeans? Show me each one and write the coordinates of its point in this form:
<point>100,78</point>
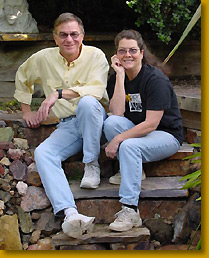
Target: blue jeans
<point>132,152</point>
<point>73,134</point>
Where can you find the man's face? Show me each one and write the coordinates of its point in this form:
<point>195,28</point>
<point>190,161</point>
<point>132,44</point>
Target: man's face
<point>12,10</point>
<point>68,38</point>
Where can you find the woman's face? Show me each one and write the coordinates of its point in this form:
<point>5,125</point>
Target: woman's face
<point>129,54</point>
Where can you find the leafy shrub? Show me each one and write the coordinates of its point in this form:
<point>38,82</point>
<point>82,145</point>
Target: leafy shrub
<point>167,18</point>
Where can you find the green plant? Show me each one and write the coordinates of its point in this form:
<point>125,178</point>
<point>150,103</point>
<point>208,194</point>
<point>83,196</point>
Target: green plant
<point>191,24</point>
<point>165,17</point>
<point>194,179</point>
<point>14,105</point>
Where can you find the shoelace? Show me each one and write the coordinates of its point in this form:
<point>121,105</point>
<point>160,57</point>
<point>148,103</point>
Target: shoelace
<point>122,214</point>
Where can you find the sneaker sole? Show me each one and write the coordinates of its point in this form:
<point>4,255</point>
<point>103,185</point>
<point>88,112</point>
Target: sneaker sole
<point>77,228</point>
<point>89,186</point>
<point>115,228</point>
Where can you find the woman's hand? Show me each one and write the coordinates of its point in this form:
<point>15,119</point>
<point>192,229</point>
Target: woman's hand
<point>116,65</point>
<point>112,148</point>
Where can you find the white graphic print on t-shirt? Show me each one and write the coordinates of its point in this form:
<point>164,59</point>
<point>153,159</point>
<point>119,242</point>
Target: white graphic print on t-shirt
<point>135,103</point>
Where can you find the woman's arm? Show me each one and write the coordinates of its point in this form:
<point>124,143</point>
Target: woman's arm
<point>117,102</point>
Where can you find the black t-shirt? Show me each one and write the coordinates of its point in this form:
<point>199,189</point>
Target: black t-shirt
<point>151,90</point>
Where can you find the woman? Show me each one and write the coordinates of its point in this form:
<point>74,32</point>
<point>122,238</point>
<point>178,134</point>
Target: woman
<point>145,124</point>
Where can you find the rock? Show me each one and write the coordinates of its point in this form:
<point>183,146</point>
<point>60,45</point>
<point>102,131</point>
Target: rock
<point>2,170</point>
<point>25,246</point>
<point>2,207</point>
<point>33,175</point>
<point>35,236</point>
<point>6,145</point>
<point>33,247</point>
<point>187,220</point>
<point>141,245</point>
<point>19,170</point>
<point>35,215</point>
<point>22,188</point>
<point>45,244</point>
<point>28,160</point>
<point>176,247</point>
<point>48,223</point>
<point>26,238</point>
<point>159,230</point>
<point>4,196</point>
<point>15,154</point>
<point>1,154</point>
<point>21,143</point>
<point>6,134</point>
<point>85,247</point>
<point>5,161</point>
<point>2,124</point>
<point>9,233</point>
<point>35,199</point>
<point>25,221</point>
<point>4,184</point>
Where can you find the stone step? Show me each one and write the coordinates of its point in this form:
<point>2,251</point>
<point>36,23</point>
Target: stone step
<point>102,238</point>
<point>159,195</point>
<point>152,187</point>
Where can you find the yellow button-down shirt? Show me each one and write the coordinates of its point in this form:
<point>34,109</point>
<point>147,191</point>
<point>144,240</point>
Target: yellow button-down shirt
<point>87,75</point>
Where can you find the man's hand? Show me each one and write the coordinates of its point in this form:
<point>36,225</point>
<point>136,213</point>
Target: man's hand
<point>31,119</point>
<point>46,106</point>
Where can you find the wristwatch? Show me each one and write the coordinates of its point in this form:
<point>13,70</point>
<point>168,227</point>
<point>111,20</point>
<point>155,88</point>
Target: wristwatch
<point>59,93</point>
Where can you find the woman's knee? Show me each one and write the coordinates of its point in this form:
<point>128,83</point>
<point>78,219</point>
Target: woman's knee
<point>110,127</point>
<point>110,123</point>
<point>130,146</point>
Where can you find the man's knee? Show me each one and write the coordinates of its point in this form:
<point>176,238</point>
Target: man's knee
<point>86,102</point>
<point>40,152</point>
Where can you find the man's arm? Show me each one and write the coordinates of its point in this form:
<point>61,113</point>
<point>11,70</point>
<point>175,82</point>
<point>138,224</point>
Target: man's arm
<point>49,102</point>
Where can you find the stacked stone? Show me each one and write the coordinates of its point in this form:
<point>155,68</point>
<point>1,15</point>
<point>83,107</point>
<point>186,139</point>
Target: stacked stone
<point>26,218</point>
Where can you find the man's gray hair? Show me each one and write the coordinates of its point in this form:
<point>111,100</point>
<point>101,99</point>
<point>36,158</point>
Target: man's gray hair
<point>65,17</point>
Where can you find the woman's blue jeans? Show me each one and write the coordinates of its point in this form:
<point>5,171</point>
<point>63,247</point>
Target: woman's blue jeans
<point>73,134</point>
<point>156,145</point>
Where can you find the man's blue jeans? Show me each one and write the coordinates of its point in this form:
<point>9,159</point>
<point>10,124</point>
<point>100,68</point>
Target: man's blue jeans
<point>73,134</point>
<point>156,145</point>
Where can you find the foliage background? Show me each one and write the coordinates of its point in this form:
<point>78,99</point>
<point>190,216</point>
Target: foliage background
<point>158,19</point>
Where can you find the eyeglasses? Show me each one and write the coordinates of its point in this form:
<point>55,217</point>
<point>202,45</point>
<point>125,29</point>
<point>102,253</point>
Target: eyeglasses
<point>123,51</point>
<point>74,35</point>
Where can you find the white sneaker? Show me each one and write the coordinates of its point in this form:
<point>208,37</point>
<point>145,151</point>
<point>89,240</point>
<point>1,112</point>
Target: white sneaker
<point>76,225</point>
<point>116,179</point>
<point>126,219</point>
<point>91,178</point>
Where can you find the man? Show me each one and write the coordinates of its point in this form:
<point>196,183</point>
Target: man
<point>73,77</point>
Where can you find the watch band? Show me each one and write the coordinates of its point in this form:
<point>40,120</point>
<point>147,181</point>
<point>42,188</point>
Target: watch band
<point>59,93</point>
